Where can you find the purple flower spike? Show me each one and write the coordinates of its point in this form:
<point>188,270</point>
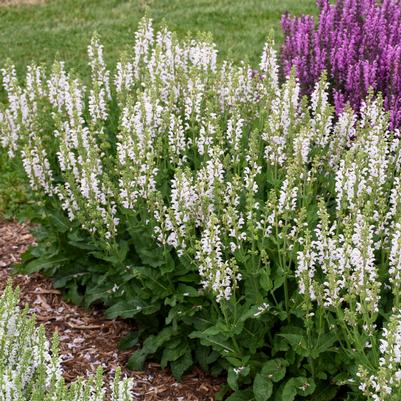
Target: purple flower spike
<point>358,43</point>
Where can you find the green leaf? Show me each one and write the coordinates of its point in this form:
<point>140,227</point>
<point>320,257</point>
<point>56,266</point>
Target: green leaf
<point>307,387</point>
<point>325,393</point>
<point>242,395</point>
<point>324,343</point>
<point>274,369</point>
<point>290,390</point>
<point>298,385</point>
<point>130,308</point>
<point>42,264</point>
<point>181,365</point>
<point>147,249</point>
<point>171,354</point>
<point>150,346</point>
<point>129,341</point>
<point>297,342</point>
<point>232,379</point>
<point>262,388</point>
<point>279,345</point>
<point>265,280</point>
<point>59,221</point>
<point>187,291</point>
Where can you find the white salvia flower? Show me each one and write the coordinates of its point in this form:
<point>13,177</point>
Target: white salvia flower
<point>384,384</point>
<point>203,55</point>
<point>288,196</point>
<point>302,145</point>
<point>97,105</point>
<point>176,140</point>
<point>31,367</point>
<point>68,200</point>
<point>364,278</point>
<point>100,93</point>
<point>394,208</point>
<point>234,136</point>
<point>144,40</point>
<point>217,274</point>
<point>269,65</point>
<point>351,185</point>
<point>261,309</point>
<point>122,390</point>
<point>193,97</point>
<point>37,168</point>
<point>332,258</point>
<point>321,122</point>
<point>306,269</point>
<point>182,211</point>
<point>100,74</point>
<point>238,370</point>
<point>9,133</point>
<point>14,92</point>
<point>395,259</point>
<point>284,109</point>
<point>35,78</point>
<point>344,131</point>
<point>208,183</point>
<point>124,78</point>
<point>250,175</point>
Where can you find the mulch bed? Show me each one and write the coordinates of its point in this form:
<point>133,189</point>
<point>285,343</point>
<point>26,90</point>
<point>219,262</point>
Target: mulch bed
<point>87,339</point>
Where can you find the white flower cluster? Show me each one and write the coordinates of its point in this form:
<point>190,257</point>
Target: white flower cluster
<point>385,383</point>
<point>30,367</point>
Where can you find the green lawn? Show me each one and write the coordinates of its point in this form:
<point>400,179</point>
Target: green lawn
<point>62,28</point>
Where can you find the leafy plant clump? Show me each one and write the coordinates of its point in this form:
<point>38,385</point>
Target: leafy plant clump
<point>30,367</point>
<point>357,43</point>
<point>245,228</point>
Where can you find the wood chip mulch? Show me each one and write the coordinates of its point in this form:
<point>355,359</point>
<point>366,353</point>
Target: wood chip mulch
<point>87,339</point>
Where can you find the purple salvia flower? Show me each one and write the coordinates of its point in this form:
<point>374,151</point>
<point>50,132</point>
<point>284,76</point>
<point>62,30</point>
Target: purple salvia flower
<point>358,43</point>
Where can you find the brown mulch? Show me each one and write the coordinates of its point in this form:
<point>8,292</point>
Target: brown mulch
<point>87,339</point>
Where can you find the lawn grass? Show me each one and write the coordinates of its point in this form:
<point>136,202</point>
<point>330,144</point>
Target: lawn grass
<point>62,28</point>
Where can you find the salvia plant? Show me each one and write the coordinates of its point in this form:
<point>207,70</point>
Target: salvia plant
<point>31,367</point>
<point>244,227</point>
<point>357,42</point>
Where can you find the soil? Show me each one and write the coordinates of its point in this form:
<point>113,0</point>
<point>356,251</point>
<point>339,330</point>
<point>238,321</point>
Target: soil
<point>87,339</point>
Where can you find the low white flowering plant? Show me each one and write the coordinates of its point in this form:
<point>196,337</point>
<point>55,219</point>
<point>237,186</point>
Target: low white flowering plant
<point>245,228</point>
<point>30,365</point>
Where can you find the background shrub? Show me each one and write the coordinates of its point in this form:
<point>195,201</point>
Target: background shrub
<point>357,43</point>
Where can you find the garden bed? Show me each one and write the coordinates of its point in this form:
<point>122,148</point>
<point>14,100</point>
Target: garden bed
<point>87,339</point>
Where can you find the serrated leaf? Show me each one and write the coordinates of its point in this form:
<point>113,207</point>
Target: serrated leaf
<point>262,388</point>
